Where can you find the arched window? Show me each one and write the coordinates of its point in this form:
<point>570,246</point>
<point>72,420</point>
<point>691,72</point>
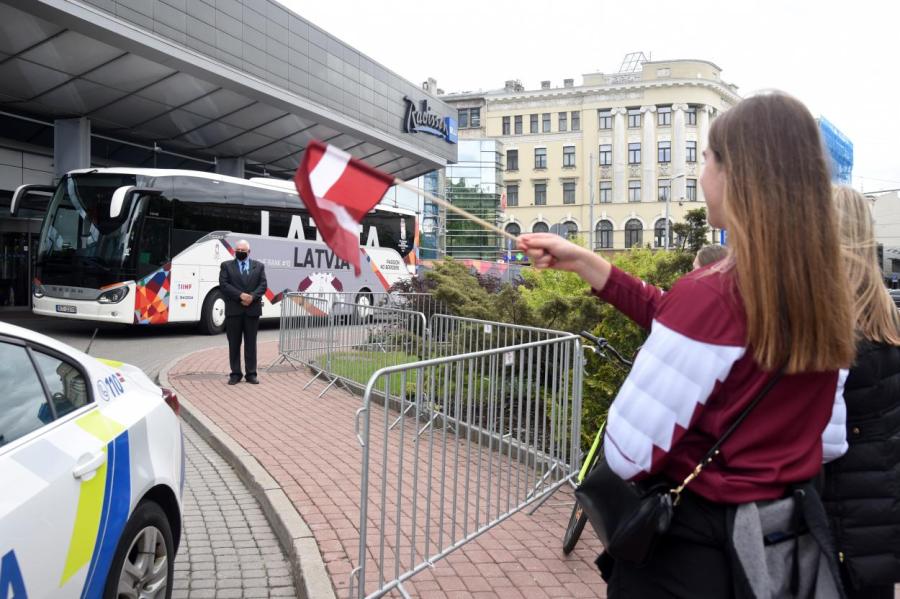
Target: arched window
<point>569,229</point>
<point>540,228</point>
<point>634,232</point>
<point>604,235</point>
<point>659,233</point>
<point>513,229</point>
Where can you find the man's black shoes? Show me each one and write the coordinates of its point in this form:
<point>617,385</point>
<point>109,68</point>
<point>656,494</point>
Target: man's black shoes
<point>252,379</point>
<point>234,380</point>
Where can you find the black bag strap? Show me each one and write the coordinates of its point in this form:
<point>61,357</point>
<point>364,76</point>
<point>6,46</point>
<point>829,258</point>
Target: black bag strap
<point>714,450</point>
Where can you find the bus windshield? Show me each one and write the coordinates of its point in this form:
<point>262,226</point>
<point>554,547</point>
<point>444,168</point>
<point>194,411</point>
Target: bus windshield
<point>78,231</point>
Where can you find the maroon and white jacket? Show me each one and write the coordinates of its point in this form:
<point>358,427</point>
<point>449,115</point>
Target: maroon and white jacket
<point>694,376</point>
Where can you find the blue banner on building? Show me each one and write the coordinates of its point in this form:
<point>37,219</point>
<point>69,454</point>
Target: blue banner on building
<point>840,151</point>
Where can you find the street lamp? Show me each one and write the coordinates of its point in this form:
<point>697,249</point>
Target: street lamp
<point>668,201</point>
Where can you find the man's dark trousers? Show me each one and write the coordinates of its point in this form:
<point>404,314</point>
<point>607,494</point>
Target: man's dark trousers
<point>242,322</point>
<point>236,328</point>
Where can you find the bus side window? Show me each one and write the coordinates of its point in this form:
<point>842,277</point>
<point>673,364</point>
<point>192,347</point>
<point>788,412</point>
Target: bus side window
<point>153,251</point>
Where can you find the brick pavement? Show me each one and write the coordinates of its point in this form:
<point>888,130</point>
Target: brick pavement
<point>308,445</point>
<point>228,549</point>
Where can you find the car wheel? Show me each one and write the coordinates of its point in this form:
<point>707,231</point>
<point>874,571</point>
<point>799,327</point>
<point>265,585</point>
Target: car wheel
<point>212,316</point>
<point>144,562</point>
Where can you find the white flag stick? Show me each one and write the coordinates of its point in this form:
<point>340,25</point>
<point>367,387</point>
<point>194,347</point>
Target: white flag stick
<point>456,209</point>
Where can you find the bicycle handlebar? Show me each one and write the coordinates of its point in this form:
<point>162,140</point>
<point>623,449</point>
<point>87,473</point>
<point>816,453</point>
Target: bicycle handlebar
<point>602,344</point>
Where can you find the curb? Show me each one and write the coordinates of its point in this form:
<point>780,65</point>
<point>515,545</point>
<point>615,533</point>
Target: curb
<point>311,579</point>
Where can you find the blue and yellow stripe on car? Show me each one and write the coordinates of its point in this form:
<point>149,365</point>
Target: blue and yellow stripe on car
<point>103,506</point>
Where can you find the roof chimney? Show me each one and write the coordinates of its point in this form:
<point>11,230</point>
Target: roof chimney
<point>545,85</point>
<point>430,85</point>
<point>568,83</point>
<point>513,85</point>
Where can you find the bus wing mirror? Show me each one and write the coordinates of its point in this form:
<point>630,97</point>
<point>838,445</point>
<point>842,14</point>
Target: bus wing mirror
<point>22,191</point>
<point>126,192</point>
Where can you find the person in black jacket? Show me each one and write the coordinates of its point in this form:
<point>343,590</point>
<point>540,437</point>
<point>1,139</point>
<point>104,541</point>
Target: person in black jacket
<point>243,282</point>
<point>862,489</point>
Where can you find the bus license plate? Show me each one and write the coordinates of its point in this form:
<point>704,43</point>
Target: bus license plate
<point>66,309</point>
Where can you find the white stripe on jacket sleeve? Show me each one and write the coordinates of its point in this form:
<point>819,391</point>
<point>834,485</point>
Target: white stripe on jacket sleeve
<point>671,376</point>
<point>834,437</point>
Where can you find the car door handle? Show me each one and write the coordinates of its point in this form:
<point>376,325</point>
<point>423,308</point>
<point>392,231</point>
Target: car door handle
<point>88,464</point>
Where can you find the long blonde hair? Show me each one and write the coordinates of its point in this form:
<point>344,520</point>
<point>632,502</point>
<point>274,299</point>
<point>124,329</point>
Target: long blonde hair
<point>782,229</point>
<point>877,319</point>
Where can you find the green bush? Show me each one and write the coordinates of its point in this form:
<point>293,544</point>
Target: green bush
<point>563,301</point>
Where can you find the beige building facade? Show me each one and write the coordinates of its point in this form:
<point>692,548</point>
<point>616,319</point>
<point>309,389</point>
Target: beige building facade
<point>621,143</point>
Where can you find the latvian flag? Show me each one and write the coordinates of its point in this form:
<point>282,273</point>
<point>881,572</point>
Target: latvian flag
<point>338,190</point>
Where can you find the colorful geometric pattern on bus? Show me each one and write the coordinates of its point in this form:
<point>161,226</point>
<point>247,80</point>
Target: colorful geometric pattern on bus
<point>151,297</point>
<point>273,297</point>
<point>412,258</point>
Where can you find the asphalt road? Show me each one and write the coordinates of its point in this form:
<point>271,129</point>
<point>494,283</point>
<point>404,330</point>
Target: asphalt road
<point>149,347</point>
<point>228,548</point>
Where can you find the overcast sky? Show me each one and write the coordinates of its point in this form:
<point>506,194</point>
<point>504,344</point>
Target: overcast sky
<point>840,58</point>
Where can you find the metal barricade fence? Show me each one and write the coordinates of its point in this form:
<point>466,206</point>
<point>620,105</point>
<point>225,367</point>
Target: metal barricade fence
<point>454,445</point>
<point>450,335</point>
<point>303,330</point>
<point>361,341</point>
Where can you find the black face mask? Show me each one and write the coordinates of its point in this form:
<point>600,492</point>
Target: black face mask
<point>240,255</point>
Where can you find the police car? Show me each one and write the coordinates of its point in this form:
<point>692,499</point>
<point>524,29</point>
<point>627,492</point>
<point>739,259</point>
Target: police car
<point>91,474</point>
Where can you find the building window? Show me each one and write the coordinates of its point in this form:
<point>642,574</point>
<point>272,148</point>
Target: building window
<point>506,125</point>
<point>665,190</point>
<point>664,152</point>
<point>690,115</point>
<point>568,156</point>
<point>691,190</point>
<point>463,118</point>
<point>634,232</point>
<point>604,235</point>
<point>634,190</point>
<point>691,153</point>
<point>563,118</point>
<point>475,117</point>
<point>664,116</point>
<point>512,160</point>
<point>634,153</point>
<point>518,124</point>
<point>605,154</point>
<point>634,118</point>
<point>569,192</point>
<point>576,120</point>
<point>569,230</point>
<point>512,195</point>
<point>540,158</point>
<point>513,229</point>
<point>545,121</point>
<point>659,233</point>
<point>540,228</point>
<point>534,123</point>
<point>606,119</point>
<point>540,194</point>
<point>605,192</point>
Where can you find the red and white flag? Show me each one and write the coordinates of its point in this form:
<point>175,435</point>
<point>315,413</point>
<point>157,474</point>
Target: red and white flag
<point>338,190</point>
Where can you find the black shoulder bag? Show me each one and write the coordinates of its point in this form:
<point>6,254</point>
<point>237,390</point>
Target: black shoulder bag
<point>629,516</point>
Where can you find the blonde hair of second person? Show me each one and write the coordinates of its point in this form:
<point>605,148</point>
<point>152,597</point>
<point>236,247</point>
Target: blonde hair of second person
<point>876,317</point>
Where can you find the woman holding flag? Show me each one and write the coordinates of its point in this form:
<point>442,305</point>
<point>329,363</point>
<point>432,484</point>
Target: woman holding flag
<point>778,306</point>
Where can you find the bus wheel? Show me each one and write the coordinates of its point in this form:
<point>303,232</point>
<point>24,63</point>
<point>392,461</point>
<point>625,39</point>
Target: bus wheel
<point>212,318</point>
<point>364,300</point>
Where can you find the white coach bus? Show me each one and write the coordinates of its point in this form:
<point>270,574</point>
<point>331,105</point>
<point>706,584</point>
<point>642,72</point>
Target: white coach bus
<point>144,246</point>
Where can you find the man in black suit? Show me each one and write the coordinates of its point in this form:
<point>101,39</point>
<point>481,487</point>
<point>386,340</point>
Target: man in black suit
<point>243,281</point>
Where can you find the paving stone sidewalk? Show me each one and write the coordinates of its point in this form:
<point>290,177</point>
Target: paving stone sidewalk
<point>228,549</point>
<point>309,447</point>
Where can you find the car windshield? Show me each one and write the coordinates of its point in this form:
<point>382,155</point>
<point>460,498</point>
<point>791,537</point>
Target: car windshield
<point>79,229</point>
